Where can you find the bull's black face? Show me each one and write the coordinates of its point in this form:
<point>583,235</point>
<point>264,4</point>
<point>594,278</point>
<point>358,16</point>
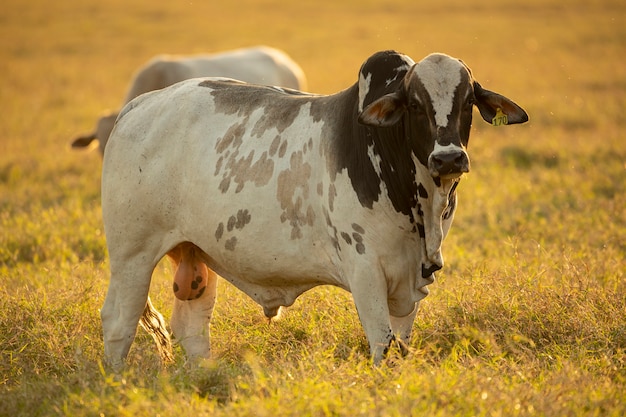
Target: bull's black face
<point>440,96</point>
<point>435,102</point>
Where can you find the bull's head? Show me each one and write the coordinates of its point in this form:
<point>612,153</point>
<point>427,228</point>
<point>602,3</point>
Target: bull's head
<point>436,97</point>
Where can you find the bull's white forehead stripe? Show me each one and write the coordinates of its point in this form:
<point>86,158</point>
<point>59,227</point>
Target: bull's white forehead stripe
<point>440,75</point>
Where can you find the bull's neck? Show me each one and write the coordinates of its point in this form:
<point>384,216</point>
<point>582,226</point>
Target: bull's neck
<point>378,161</point>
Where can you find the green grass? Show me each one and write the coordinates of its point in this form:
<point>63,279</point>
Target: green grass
<point>528,316</point>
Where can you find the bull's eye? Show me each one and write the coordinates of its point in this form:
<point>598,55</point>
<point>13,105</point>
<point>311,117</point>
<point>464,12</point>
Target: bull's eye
<point>416,107</point>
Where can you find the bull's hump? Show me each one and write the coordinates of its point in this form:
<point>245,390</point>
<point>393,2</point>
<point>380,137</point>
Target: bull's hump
<point>236,97</point>
<point>380,74</point>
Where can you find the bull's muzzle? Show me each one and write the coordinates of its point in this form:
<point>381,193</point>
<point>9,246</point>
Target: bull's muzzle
<point>449,164</point>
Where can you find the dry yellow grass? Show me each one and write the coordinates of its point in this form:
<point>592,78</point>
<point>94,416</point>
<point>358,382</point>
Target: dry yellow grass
<point>528,316</point>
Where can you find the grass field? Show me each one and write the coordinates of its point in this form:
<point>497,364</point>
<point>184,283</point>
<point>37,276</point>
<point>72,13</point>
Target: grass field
<point>528,317</point>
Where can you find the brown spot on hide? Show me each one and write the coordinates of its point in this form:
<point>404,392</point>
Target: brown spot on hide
<point>274,146</point>
<point>282,150</point>
<point>360,248</point>
<point>243,218</point>
<point>279,118</point>
<point>358,228</point>
<point>218,165</point>
<point>239,221</point>
<point>241,169</point>
<point>332,193</point>
<point>279,108</point>
<point>224,184</point>
<point>230,243</point>
<point>358,238</point>
<point>231,223</point>
<point>232,138</point>
<point>246,169</point>
<point>293,194</point>
<point>219,231</point>
<point>332,231</point>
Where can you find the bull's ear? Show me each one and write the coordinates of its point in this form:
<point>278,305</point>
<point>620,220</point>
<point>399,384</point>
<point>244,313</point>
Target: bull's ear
<point>383,112</point>
<point>489,102</point>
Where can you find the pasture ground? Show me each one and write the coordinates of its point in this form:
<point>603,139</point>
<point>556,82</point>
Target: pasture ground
<point>528,316</point>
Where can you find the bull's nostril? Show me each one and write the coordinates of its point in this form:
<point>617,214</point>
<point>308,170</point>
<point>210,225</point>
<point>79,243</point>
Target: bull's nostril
<point>449,163</point>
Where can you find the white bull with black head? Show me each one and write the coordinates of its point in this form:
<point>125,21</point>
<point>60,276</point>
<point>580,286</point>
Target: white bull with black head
<point>279,191</point>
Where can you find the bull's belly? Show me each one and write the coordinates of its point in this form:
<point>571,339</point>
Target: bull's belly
<point>275,290</point>
<point>271,270</point>
<point>265,254</point>
<point>248,238</point>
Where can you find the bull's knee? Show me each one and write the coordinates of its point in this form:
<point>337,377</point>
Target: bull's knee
<point>191,277</point>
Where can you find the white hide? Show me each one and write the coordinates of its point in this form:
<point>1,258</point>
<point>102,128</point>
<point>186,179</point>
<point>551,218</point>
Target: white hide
<point>265,186</point>
<point>147,213</point>
<point>440,75</point>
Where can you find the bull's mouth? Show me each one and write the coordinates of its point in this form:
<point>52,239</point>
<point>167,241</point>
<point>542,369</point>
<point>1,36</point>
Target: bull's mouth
<point>450,176</point>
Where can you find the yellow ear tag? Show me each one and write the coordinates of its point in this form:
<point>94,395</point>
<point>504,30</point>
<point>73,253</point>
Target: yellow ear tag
<point>501,119</point>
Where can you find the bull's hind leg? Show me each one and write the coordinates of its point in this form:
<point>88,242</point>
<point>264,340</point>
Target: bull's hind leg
<point>124,304</point>
<point>195,287</point>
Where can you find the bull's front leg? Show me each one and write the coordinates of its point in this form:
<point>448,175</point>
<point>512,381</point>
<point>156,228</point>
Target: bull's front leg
<point>370,298</point>
<point>402,327</point>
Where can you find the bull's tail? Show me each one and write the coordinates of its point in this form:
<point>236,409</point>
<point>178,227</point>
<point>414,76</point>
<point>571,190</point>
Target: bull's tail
<point>152,321</point>
<point>84,141</point>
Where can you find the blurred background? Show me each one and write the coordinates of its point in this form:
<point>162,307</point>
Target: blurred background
<point>534,262</point>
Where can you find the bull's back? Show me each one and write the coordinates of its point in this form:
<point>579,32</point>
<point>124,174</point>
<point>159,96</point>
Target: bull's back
<point>163,144</point>
<point>199,162</point>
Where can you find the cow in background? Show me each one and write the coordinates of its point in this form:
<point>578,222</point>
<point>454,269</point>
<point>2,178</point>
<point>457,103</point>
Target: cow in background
<point>257,65</point>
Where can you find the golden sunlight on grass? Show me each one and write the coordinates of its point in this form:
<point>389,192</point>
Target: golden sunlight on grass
<point>527,317</point>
